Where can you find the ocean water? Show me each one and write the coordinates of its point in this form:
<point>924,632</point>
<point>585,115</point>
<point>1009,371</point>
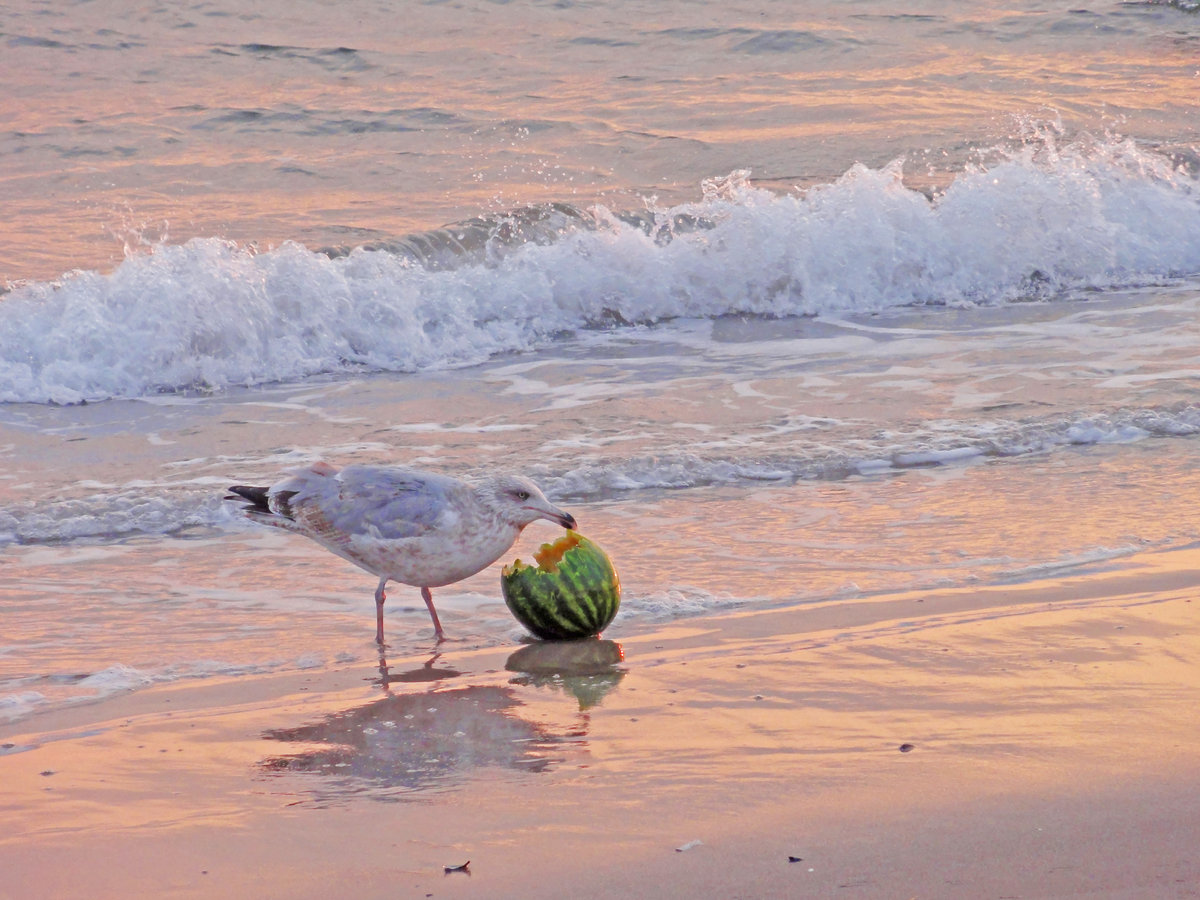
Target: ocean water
<point>786,303</point>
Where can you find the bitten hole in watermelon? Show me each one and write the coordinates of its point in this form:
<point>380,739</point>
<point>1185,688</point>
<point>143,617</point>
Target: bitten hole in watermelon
<point>548,556</point>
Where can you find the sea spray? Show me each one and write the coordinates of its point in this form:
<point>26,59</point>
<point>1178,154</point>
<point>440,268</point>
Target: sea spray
<point>209,314</point>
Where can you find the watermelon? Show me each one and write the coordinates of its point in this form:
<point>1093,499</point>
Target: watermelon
<point>572,593</point>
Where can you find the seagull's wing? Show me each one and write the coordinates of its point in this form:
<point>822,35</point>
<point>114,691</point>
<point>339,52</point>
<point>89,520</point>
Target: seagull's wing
<point>380,502</point>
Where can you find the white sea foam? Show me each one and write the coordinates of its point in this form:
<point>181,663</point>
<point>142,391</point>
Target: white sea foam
<point>679,601</point>
<point>111,514</point>
<point>61,691</point>
<point>1071,562</point>
<point>19,705</point>
<point>173,508</point>
<point>209,314</point>
<point>118,678</point>
<point>966,443</point>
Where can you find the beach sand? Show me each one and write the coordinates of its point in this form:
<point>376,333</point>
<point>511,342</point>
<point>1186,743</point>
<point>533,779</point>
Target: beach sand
<point>1037,739</point>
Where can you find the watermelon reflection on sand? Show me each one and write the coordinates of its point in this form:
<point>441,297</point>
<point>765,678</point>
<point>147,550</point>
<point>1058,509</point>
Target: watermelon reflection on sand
<point>588,670</point>
<point>400,524</point>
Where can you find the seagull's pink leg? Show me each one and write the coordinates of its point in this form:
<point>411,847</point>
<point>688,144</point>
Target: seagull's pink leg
<point>437,626</point>
<point>380,596</point>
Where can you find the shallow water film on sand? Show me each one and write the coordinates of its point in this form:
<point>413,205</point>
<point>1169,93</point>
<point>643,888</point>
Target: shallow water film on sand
<point>862,336</point>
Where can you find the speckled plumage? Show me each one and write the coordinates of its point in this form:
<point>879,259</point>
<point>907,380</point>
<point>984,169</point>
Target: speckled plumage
<point>417,528</point>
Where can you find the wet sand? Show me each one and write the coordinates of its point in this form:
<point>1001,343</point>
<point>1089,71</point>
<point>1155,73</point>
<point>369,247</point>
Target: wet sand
<point>1037,739</point>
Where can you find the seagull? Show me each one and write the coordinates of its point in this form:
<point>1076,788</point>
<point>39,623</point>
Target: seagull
<point>401,524</point>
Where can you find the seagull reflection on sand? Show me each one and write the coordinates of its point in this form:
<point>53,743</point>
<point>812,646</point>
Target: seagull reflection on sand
<point>426,673</point>
<point>586,669</point>
<point>410,742</point>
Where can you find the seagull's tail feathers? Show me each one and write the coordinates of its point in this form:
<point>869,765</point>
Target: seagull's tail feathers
<point>256,497</point>
<point>263,505</point>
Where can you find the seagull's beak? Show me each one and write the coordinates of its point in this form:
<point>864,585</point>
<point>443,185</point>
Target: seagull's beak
<point>554,514</point>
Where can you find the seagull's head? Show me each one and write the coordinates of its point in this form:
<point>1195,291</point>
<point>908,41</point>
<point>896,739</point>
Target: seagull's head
<point>520,501</point>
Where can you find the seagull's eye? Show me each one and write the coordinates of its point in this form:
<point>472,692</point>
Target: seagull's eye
<point>522,496</point>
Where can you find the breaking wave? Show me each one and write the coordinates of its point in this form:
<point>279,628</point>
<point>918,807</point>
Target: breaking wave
<point>209,314</point>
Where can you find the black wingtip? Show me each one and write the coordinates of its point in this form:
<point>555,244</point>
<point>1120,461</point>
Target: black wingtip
<point>255,496</point>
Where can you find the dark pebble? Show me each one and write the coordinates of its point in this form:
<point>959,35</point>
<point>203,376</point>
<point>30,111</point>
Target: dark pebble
<point>904,748</point>
<point>795,859</point>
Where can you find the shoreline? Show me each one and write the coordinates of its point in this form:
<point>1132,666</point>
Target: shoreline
<point>1052,726</point>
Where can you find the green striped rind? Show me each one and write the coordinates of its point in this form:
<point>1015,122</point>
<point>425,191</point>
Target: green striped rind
<point>576,600</point>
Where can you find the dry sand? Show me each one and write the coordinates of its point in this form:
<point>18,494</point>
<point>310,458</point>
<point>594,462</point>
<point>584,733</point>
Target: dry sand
<point>1053,725</point>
